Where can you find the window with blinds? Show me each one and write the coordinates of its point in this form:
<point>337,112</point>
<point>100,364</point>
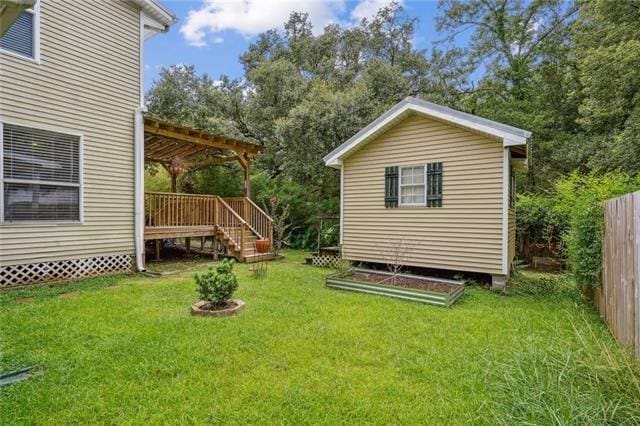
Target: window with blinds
<point>20,37</point>
<point>40,175</point>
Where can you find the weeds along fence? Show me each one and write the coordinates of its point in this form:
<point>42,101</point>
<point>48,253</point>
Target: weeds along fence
<point>618,300</point>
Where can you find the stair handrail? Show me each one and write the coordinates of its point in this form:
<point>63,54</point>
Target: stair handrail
<point>269,231</point>
<point>243,224</point>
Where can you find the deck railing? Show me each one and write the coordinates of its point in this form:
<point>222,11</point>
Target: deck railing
<point>237,216</point>
<point>259,222</point>
<point>168,209</point>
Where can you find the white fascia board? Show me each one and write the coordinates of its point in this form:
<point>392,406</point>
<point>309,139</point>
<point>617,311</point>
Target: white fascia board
<point>157,11</point>
<point>510,136</point>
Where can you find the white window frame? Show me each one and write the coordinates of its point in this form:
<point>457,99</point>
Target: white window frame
<point>400,186</point>
<point>35,10</point>
<point>79,185</point>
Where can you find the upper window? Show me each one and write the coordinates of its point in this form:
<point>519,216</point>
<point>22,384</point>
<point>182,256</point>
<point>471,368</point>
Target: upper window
<point>412,186</point>
<point>21,37</point>
<point>40,176</point>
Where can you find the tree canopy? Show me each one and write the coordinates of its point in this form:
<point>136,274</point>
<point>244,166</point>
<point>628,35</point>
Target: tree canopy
<point>567,71</point>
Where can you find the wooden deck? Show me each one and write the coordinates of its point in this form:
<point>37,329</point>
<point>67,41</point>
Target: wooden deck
<point>235,222</point>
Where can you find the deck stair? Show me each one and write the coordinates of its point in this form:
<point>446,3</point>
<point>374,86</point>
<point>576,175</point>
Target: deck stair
<point>236,222</point>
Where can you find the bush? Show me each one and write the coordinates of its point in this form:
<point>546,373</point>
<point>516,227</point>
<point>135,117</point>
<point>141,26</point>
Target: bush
<point>580,201</point>
<point>536,284</point>
<point>539,226</point>
<point>217,287</point>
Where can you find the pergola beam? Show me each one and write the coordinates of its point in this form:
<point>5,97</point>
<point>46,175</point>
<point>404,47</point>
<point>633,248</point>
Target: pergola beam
<point>184,135</point>
<point>164,142</point>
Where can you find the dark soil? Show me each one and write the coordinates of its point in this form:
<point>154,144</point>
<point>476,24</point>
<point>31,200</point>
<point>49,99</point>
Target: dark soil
<point>211,307</point>
<point>417,283</point>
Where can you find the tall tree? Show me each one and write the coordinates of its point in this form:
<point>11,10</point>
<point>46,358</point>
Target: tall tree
<point>607,45</point>
<point>527,77</point>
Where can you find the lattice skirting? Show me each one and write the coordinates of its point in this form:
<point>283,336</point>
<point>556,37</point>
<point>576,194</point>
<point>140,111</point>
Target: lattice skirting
<point>35,273</point>
<point>325,260</point>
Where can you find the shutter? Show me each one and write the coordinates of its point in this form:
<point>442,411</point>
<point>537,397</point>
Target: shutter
<point>434,185</point>
<point>391,187</point>
<point>19,37</point>
<point>41,175</point>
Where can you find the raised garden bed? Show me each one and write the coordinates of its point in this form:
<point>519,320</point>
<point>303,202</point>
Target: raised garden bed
<point>435,291</point>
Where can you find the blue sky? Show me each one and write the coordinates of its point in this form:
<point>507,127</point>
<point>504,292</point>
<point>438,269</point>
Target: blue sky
<point>212,34</point>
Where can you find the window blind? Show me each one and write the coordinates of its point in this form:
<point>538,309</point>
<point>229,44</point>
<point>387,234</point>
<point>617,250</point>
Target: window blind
<point>41,175</point>
<point>19,38</point>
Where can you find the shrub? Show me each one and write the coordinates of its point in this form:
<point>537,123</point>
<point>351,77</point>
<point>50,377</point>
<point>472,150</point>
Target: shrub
<point>580,200</point>
<point>536,284</point>
<point>217,286</point>
<point>539,225</point>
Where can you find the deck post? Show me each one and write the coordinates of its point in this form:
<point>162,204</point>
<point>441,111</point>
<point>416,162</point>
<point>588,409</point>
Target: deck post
<point>242,242</point>
<point>187,244</point>
<point>158,249</point>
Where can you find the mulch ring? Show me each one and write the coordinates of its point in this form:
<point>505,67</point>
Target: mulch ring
<point>405,282</point>
<point>227,305</point>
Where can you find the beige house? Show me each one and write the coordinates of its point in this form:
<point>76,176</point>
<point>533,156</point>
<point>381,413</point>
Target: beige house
<point>435,184</point>
<point>70,90</point>
<point>74,141</point>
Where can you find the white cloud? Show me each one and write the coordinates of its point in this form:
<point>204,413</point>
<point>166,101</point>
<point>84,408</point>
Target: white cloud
<point>217,40</point>
<point>368,8</point>
<point>252,17</point>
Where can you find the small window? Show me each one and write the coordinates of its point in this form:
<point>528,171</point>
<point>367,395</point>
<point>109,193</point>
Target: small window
<point>41,175</point>
<point>21,37</point>
<point>412,186</point>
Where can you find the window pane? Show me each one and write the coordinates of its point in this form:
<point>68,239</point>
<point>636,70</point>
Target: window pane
<point>412,194</point>
<point>40,155</point>
<point>41,202</point>
<point>412,175</point>
<point>19,37</point>
<point>406,175</point>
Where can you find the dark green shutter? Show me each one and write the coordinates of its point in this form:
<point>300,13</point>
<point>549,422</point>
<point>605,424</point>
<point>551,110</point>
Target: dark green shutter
<point>434,185</point>
<point>391,187</point>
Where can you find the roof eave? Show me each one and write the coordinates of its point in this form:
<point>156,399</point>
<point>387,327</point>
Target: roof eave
<point>157,11</point>
<point>510,136</point>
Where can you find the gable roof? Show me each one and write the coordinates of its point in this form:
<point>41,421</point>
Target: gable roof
<point>509,135</point>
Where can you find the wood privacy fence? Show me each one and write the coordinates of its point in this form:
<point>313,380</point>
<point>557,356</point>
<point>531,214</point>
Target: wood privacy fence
<point>618,300</point>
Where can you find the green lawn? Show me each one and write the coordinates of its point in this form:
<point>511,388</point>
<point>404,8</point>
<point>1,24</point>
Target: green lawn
<point>299,353</point>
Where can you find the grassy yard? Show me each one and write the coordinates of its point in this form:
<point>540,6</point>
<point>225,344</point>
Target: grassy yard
<point>302,353</point>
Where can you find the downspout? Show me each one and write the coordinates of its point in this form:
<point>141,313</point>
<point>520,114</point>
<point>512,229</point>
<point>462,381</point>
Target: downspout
<point>139,188</point>
<point>139,159</point>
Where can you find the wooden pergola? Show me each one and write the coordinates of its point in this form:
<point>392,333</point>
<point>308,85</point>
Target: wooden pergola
<point>179,147</point>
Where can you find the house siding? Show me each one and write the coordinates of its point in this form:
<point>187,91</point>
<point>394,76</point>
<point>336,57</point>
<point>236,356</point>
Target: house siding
<point>464,234</point>
<point>87,82</point>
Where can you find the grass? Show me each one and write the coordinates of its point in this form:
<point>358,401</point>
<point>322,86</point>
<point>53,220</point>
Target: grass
<point>299,353</point>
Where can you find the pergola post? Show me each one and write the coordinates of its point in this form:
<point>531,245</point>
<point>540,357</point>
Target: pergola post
<point>247,177</point>
<point>245,162</point>
<point>173,183</point>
